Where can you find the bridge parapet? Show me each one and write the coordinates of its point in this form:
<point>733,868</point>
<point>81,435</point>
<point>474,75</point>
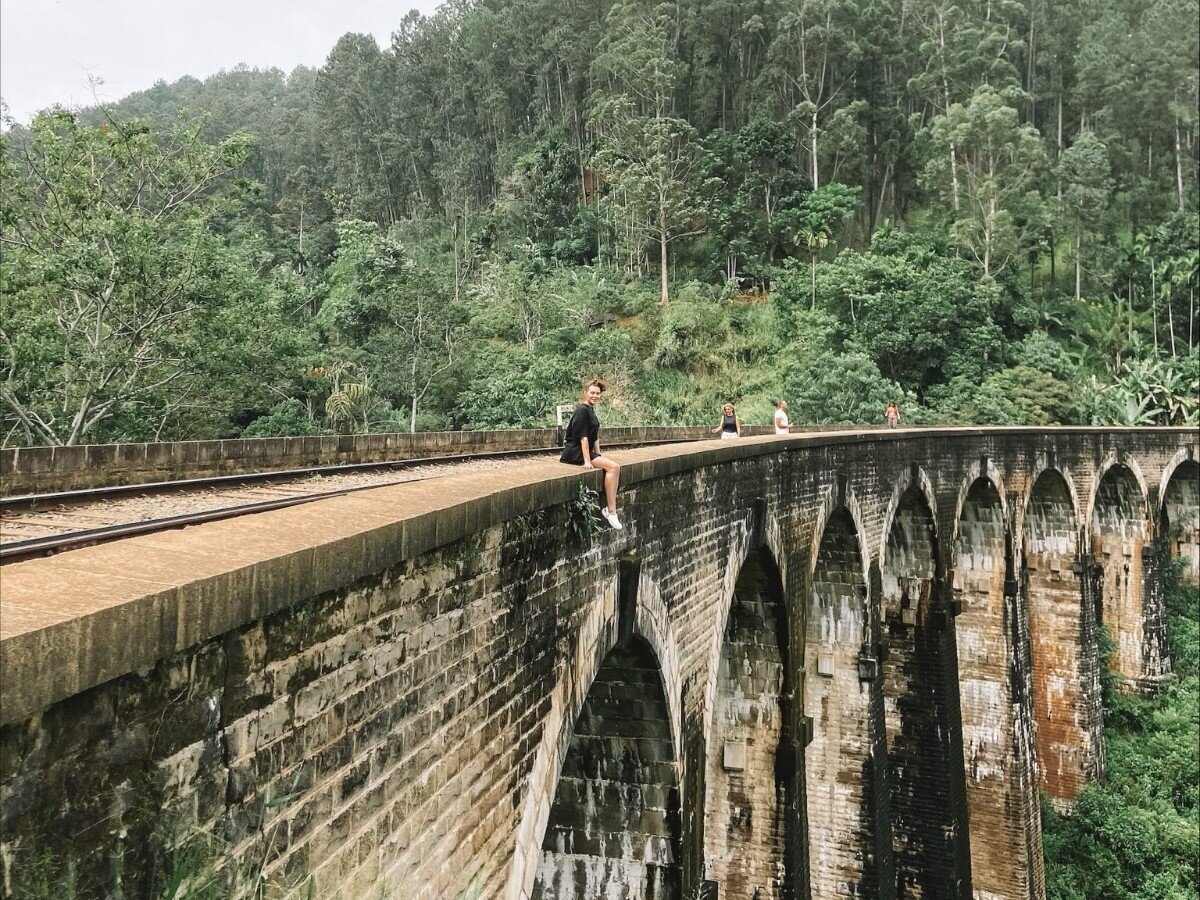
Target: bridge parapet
<point>381,691</point>
<point>28,470</point>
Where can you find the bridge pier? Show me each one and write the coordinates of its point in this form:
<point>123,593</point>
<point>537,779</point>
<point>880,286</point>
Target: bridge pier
<point>1001,793</point>
<point>751,757</point>
<point>920,768</point>
<point>1060,594</point>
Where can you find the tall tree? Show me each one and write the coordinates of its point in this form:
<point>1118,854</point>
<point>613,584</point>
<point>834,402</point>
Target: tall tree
<point>382,300</point>
<point>998,165</point>
<point>1086,181</point>
<point>114,270</point>
<point>646,153</point>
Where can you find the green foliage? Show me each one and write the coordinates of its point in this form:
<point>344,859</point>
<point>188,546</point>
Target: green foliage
<point>985,168</point>
<point>837,387</point>
<point>583,516</point>
<point>516,390</point>
<point>288,417</point>
<point>1020,395</point>
<point>123,301</point>
<point>915,309</point>
<point>533,178</point>
<point>1138,835</point>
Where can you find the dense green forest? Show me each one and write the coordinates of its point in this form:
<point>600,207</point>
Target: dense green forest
<point>1137,835</point>
<point>986,210</point>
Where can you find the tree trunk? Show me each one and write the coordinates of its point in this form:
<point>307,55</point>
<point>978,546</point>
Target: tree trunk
<point>1171,325</point>
<point>1060,134</point>
<point>954,174</point>
<point>1029,69</point>
<point>662,252</point>
<point>412,421</point>
<point>987,237</point>
<point>1178,167</point>
<point>887,172</point>
<point>1079,246</point>
<point>1154,301</point>
<point>814,150</point>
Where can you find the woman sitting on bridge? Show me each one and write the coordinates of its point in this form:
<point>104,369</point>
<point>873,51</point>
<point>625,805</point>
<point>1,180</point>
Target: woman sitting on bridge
<point>582,447</point>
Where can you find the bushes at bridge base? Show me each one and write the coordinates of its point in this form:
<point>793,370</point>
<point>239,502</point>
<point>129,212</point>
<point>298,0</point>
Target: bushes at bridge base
<point>1138,835</point>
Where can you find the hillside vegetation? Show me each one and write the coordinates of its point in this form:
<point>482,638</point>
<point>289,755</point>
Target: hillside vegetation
<point>984,210</point>
<point>1138,834</point>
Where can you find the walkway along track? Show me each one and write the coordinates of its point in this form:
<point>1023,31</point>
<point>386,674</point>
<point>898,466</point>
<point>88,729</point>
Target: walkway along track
<point>66,520</point>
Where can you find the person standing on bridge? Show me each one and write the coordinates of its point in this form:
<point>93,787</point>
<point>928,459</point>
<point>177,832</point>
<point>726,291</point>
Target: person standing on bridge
<point>730,425</point>
<point>892,414</point>
<point>782,425</point>
<point>582,448</point>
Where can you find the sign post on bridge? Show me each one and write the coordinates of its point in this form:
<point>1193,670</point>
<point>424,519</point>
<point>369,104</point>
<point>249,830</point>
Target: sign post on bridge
<point>558,416</point>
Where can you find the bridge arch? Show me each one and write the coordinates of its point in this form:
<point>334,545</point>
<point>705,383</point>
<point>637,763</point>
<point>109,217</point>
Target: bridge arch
<point>1064,677</point>
<point>913,697</point>
<point>1123,468</point>
<point>751,805</point>
<point>1074,495</point>
<point>598,637</point>
<point>840,782</point>
<point>1001,796</point>
<point>1121,537</point>
<point>615,825</point>
<point>1179,511</point>
<point>916,480</point>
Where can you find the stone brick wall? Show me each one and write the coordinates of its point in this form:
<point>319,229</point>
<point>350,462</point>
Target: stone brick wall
<point>746,828</point>
<point>1001,813</point>
<point>841,832</point>
<point>1120,540</point>
<point>44,469</point>
<point>918,769</point>
<point>1065,682</point>
<point>378,695</point>
<point>614,828</point>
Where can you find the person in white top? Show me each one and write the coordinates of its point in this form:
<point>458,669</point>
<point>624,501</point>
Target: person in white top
<point>782,425</point>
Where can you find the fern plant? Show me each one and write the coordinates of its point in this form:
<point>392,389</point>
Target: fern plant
<point>583,513</point>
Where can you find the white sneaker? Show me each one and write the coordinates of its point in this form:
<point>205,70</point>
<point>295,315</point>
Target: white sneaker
<point>611,518</point>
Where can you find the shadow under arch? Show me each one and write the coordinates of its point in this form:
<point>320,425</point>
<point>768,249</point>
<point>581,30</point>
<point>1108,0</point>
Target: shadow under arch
<point>752,815</point>
<point>614,829</point>
<point>1179,514</point>
<point>845,843</point>
<point>1130,584</point>
<point>915,701</point>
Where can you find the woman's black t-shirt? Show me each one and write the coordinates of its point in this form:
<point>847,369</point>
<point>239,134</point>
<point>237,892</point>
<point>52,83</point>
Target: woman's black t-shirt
<point>584,424</point>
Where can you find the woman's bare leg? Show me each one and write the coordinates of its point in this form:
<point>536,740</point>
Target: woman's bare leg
<point>612,477</point>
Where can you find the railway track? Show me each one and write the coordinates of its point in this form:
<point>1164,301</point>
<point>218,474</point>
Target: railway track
<point>42,524</point>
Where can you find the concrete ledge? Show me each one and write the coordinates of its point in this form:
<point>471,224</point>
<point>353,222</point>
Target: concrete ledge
<point>76,620</point>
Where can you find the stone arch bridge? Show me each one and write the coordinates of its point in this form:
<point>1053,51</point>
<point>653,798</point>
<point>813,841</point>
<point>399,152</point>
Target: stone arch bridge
<point>833,665</point>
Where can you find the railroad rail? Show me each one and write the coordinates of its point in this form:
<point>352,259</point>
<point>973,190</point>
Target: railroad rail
<point>79,518</point>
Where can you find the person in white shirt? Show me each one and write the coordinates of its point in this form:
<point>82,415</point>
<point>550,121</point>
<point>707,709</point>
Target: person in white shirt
<point>782,425</point>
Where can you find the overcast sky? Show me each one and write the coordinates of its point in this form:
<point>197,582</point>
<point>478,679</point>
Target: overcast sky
<point>48,48</point>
